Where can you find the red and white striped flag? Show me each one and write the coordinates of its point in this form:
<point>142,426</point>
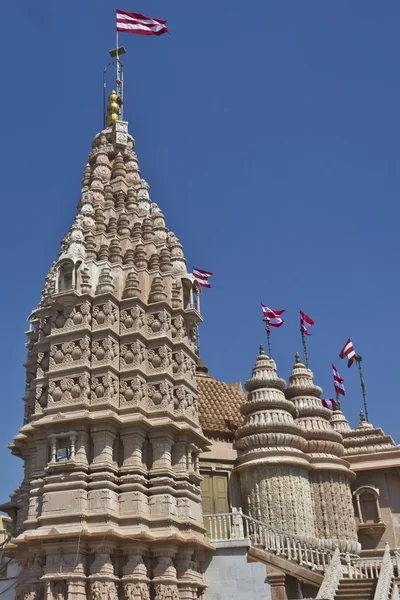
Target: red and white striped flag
<point>202,277</point>
<point>329,403</point>
<point>338,382</point>
<point>136,23</point>
<point>305,320</point>
<point>348,350</point>
<point>273,316</point>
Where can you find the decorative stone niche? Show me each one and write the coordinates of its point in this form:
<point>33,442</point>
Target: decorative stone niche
<point>62,447</point>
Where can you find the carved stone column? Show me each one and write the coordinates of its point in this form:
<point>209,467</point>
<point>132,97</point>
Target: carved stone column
<point>277,582</point>
<point>179,459</point>
<point>103,441</point>
<point>161,445</point>
<point>132,441</point>
<point>164,580</point>
<point>135,581</point>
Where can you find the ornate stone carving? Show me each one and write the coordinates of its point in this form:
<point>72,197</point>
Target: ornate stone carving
<point>166,592</point>
<point>158,359</point>
<point>136,591</point>
<point>104,352</point>
<point>69,389</point>
<point>71,317</point>
<point>105,315</point>
<point>105,389</point>
<point>96,590</point>
<point>158,323</point>
<point>132,391</point>
<point>160,394</point>
<point>76,352</point>
<point>132,319</point>
<point>132,355</point>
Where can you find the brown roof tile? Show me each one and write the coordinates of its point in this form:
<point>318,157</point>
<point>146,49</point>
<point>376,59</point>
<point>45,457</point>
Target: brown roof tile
<point>219,404</point>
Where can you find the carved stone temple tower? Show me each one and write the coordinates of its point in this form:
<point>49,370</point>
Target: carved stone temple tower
<point>272,463</point>
<point>110,503</point>
<point>330,477</point>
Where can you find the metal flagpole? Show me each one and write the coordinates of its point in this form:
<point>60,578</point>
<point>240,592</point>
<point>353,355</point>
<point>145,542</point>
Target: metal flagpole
<point>268,330</point>
<point>198,339</point>
<point>364,393</point>
<point>303,338</point>
<point>337,403</point>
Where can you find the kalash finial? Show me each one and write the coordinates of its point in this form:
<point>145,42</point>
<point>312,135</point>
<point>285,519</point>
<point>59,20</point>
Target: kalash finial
<point>297,356</point>
<point>113,109</point>
<point>261,350</point>
<point>362,417</point>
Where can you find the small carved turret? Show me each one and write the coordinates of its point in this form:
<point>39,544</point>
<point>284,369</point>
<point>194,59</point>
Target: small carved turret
<point>100,219</point>
<point>105,283</point>
<point>115,254</point>
<point>129,257</point>
<point>103,252</point>
<point>176,296</point>
<point>123,224</point>
<point>108,196</point>
<point>136,234</point>
<point>140,256</point>
<point>90,243</point>
<point>120,203</point>
<point>147,229</point>
<point>143,197</point>
<point>157,291</point>
<point>165,261</point>
<point>112,226</point>
<point>118,168</point>
<point>131,202</point>
<point>154,262</point>
<point>131,289</point>
<point>85,281</point>
<point>86,177</point>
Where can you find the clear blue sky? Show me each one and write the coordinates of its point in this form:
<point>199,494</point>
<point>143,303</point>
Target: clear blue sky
<point>269,133</point>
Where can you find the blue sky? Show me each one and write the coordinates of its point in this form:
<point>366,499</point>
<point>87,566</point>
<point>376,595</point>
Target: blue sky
<point>269,133</point>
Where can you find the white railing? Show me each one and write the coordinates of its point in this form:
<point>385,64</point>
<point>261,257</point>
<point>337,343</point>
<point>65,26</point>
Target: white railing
<point>367,568</point>
<point>384,586</point>
<point>237,526</point>
<point>333,575</point>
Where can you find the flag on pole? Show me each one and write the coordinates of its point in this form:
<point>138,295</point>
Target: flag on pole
<point>304,321</point>
<point>348,350</point>
<point>136,23</point>
<point>338,382</point>
<point>329,403</point>
<point>273,316</point>
<point>202,277</point>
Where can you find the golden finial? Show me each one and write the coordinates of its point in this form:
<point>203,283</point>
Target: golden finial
<point>113,109</point>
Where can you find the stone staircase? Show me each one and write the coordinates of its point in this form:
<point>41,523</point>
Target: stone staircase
<point>356,589</point>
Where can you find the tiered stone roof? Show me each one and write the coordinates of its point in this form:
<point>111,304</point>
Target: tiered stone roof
<point>367,439</point>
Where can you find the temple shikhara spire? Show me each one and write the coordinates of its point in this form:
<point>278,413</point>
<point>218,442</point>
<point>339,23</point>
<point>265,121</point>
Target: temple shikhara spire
<point>147,478</point>
<point>111,438</point>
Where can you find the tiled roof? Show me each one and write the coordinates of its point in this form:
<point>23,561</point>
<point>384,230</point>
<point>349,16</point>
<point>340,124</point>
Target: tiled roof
<point>219,405</point>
